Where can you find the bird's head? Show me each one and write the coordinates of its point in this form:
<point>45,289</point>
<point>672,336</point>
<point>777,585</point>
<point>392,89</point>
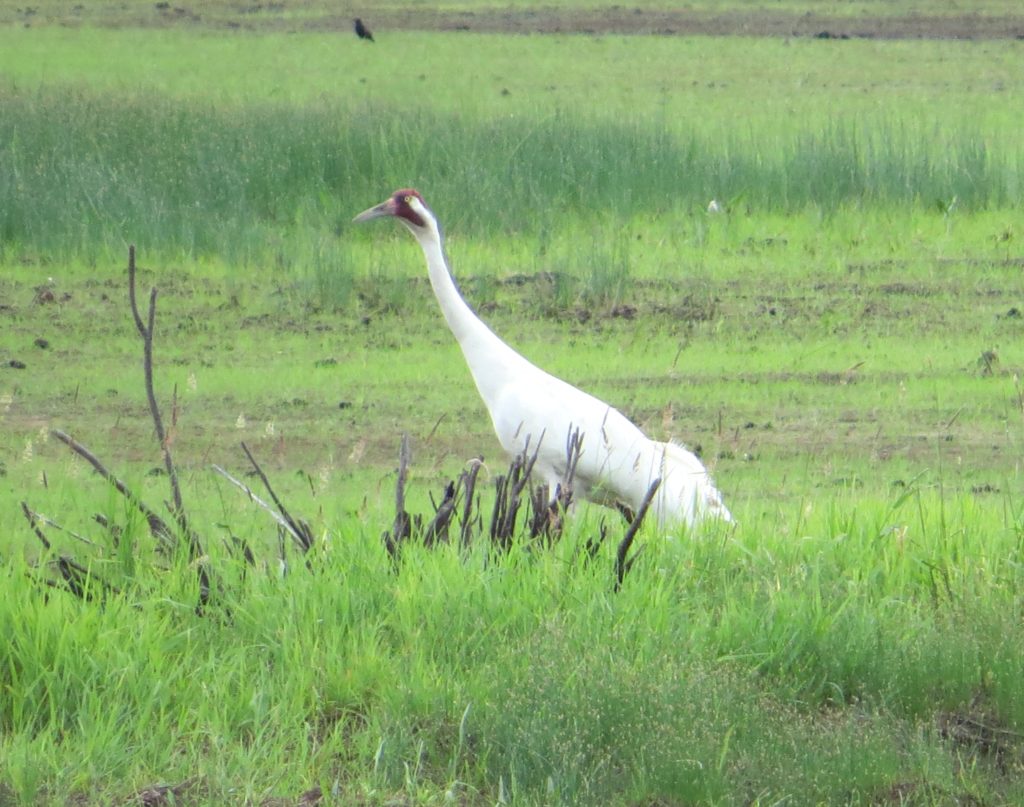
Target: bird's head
<point>406,205</point>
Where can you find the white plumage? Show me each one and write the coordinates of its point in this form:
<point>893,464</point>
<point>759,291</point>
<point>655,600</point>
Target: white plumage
<point>617,463</point>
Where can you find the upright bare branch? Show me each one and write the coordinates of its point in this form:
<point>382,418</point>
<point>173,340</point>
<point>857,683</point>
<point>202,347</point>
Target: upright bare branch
<point>508,494</point>
<point>549,507</point>
<point>178,509</point>
<point>573,452</point>
<point>437,528</point>
<point>401,529</point>
<point>468,480</point>
<point>146,332</point>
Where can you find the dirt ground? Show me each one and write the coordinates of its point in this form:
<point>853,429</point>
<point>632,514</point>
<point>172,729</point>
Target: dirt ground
<point>292,15</point>
<point>681,22</point>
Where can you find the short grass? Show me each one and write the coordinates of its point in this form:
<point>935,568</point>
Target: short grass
<point>842,344</point>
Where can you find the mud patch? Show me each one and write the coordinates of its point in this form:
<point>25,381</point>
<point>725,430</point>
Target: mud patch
<point>620,20</point>
<point>682,22</point>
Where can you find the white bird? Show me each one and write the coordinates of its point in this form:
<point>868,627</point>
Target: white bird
<point>618,462</point>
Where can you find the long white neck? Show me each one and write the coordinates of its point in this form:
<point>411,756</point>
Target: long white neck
<point>483,350</point>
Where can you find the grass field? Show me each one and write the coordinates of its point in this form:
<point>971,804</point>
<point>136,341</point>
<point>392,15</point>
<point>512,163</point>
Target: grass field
<point>843,346</point>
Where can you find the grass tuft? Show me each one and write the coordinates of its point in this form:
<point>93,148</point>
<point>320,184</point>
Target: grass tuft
<point>266,184</point>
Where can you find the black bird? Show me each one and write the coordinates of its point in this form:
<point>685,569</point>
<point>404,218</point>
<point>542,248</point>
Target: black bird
<point>362,31</point>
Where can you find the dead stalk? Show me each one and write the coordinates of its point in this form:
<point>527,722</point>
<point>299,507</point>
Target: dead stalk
<point>622,566</point>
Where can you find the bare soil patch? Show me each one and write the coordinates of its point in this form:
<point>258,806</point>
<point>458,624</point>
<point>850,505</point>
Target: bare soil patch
<point>682,22</point>
<point>618,20</point>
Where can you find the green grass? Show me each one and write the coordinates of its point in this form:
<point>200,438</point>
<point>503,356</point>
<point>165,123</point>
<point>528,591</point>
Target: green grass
<point>731,84</point>
<point>843,345</point>
<point>817,662</point>
<point>260,152</point>
<point>274,186</point>
<point>826,652</point>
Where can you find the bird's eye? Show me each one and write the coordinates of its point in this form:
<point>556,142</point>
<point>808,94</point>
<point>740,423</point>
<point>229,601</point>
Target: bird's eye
<point>408,200</point>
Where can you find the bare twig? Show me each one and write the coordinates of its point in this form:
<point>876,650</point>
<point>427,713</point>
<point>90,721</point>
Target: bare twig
<point>550,509</point>
<point>626,511</point>
<point>468,481</point>
<point>573,452</point>
<point>402,527</point>
<point>113,529</point>
<point>178,509</point>
<point>524,480</point>
<point>157,526</point>
<point>146,332</point>
<point>437,529</point>
<point>501,504</point>
<point>281,521</point>
<point>49,522</point>
<point>33,522</point>
<point>544,508</point>
<point>131,290</point>
<point>593,545</point>
<point>509,493</point>
<point>621,565</point>
<point>75,575</point>
<point>297,528</point>
<point>237,544</point>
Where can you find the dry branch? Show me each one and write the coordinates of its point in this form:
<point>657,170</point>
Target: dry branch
<point>549,507</point>
<point>75,575</point>
<point>573,452</point>
<point>468,481</point>
<point>113,529</point>
<point>545,509</point>
<point>281,522</point>
<point>401,529</point>
<point>177,509</point>
<point>508,494</point>
<point>49,522</point>
<point>241,545</point>
<point>437,529</point>
<point>297,528</point>
<point>593,545</point>
<point>157,526</point>
<point>547,516</point>
<point>621,564</point>
<point>506,504</point>
<point>33,522</point>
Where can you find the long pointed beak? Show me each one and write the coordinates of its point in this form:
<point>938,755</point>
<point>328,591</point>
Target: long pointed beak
<point>383,209</point>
